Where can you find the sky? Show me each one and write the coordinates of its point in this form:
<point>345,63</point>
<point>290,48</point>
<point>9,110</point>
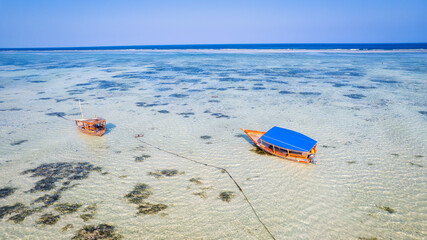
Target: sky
<point>77,23</point>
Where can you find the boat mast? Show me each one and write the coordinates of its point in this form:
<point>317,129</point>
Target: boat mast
<point>81,111</point>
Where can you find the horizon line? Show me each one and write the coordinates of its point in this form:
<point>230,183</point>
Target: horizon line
<point>102,47</point>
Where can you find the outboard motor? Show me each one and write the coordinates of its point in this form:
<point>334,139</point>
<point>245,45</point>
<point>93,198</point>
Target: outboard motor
<point>311,158</point>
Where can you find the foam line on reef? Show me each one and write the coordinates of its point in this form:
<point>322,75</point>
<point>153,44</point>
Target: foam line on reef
<point>138,136</point>
<point>229,50</point>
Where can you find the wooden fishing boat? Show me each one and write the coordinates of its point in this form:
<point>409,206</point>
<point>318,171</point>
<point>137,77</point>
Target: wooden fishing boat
<point>92,126</point>
<point>285,143</point>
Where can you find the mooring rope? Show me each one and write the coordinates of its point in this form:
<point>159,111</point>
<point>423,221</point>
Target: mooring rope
<point>213,166</point>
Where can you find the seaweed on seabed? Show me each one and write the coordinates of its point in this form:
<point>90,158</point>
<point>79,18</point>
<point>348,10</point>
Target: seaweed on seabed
<point>7,191</point>
<point>18,142</point>
<point>149,208</point>
<point>226,196</point>
<point>48,219</point>
<point>101,231</point>
<point>140,192</point>
<point>387,209</point>
<point>67,227</point>
<point>67,208</point>
<point>9,209</point>
<point>55,172</point>
<point>138,195</point>
<point>44,184</point>
<point>258,150</point>
<point>20,209</point>
<point>195,180</point>
<point>141,158</point>
<point>200,194</point>
<point>90,212</point>
<point>415,164</point>
<point>165,172</point>
<point>23,214</point>
<point>48,199</point>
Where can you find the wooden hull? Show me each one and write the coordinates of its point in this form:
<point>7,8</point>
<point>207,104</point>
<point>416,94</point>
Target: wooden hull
<point>92,133</point>
<point>93,127</point>
<point>295,156</point>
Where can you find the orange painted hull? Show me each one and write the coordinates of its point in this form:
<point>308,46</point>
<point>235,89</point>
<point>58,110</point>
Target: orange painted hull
<point>256,135</point>
<point>92,133</point>
<point>91,126</point>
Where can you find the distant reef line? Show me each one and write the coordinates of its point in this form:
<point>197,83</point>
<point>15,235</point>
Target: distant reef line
<point>300,47</point>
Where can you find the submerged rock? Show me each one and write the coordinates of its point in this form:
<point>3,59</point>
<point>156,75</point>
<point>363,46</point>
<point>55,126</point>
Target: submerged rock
<point>7,191</point>
<point>48,219</point>
<point>101,231</point>
<point>226,196</point>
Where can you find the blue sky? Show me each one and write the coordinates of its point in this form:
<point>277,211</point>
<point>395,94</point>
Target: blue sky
<point>72,23</point>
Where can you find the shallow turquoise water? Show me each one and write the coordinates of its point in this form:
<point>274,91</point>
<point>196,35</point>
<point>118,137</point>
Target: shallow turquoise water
<point>367,111</point>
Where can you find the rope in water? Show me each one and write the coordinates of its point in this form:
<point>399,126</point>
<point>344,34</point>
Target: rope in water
<point>213,166</point>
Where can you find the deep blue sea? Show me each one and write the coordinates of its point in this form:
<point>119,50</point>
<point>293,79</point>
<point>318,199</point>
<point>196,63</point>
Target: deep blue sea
<point>307,46</point>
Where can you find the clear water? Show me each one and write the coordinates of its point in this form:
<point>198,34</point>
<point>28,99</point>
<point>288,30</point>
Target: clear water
<point>368,112</point>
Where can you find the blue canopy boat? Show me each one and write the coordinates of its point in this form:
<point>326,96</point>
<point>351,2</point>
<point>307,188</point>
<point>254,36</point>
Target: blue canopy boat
<point>285,143</point>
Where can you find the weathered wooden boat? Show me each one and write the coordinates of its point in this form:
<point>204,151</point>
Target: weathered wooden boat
<point>92,126</point>
<point>285,143</point>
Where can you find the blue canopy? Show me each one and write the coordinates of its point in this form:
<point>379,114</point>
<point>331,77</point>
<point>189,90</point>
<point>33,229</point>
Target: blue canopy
<point>288,139</point>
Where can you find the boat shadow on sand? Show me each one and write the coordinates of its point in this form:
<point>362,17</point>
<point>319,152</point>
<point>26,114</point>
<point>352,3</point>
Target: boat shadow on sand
<point>109,127</point>
<point>244,136</point>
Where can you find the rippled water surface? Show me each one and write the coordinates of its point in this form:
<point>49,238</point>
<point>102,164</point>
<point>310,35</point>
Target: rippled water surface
<point>367,111</point>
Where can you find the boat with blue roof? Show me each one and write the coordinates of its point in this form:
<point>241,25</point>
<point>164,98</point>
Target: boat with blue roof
<point>285,143</point>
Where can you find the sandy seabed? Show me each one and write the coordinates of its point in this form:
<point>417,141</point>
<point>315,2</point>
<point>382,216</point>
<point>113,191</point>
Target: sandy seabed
<point>366,110</point>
